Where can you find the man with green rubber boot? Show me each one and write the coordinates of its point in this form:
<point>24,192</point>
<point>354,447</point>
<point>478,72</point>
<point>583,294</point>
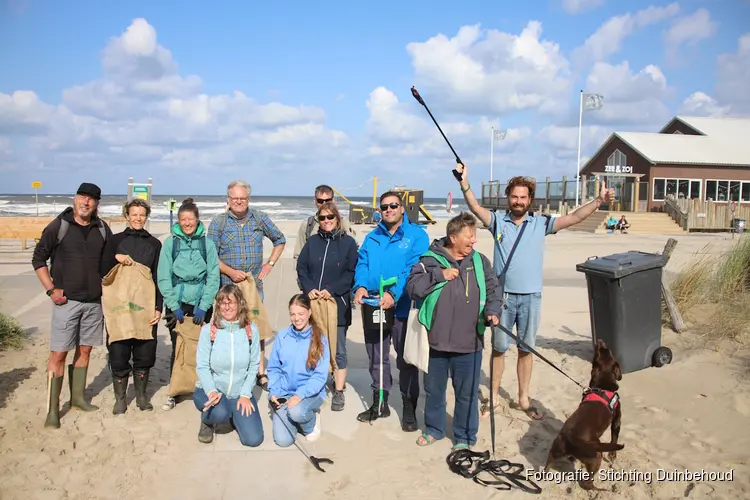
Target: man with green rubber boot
<point>389,251</point>
<point>460,297</point>
<point>73,242</point>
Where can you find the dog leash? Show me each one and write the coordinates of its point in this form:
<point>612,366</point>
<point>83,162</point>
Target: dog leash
<point>506,474</point>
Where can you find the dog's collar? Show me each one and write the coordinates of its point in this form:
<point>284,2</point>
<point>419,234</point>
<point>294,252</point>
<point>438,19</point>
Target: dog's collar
<point>610,398</point>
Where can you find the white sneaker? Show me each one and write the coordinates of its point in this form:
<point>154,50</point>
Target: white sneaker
<point>169,404</point>
<point>315,434</point>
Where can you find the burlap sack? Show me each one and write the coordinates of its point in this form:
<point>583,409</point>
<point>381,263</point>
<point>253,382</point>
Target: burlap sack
<point>184,376</point>
<point>325,314</point>
<point>128,302</point>
<point>257,309</point>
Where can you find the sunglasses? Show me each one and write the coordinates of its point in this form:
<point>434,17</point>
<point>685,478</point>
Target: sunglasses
<point>321,218</point>
<point>323,200</point>
<point>392,206</point>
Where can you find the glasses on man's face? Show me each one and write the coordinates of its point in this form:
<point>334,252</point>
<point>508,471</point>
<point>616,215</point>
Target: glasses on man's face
<point>321,218</point>
<point>238,200</point>
<point>392,206</point>
<point>320,201</point>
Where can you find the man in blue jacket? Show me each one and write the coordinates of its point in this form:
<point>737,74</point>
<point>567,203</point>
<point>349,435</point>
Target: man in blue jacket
<point>390,250</point>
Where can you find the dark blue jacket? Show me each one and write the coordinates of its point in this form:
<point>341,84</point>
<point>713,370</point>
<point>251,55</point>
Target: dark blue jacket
<point>327,262</point>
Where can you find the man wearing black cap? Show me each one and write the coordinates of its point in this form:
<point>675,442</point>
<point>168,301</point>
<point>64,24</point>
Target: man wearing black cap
<point>73,243</point>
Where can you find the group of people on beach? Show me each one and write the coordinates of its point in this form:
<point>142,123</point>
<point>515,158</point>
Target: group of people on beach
<point>198,274</point>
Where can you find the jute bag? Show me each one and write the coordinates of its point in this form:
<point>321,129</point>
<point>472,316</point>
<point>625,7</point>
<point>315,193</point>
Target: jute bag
<point>128,302</point>
<point>184,376</point>
<point>325,313</point>
<point>257,309</point>
<point>417,343</point>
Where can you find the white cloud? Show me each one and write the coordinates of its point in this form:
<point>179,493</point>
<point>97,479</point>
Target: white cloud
<point>731,96</point>
<point>578,6</point>
<point>701,104</point>
<point>629,98</point>
<point>608,39</point>
<point>689,30</point>
<point>488,71</point>
<point>142,111</point>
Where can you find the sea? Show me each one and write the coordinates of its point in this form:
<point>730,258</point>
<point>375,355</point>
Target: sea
<point>293,208</point>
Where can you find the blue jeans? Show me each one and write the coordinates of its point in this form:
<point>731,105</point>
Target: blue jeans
<point>287,423</point>
<point>523,310</point>
<point>464,370</point>
<point>249,429</point>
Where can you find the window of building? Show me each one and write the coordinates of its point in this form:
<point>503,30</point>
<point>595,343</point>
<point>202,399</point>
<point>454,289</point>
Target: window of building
<point>679,188</point>
<point>727,190</point>
<point>617,158</point>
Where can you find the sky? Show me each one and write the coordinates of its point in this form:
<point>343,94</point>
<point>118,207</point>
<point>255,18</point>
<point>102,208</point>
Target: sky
<point>292,95</point>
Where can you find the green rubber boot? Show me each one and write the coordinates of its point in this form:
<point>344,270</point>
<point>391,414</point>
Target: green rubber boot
<point>54,387</point>
<point>77,383</point>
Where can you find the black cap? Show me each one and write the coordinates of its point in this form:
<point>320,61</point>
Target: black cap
<point>90,189</point>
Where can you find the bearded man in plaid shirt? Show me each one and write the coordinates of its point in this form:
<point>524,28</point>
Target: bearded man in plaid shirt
<point>238,235</point>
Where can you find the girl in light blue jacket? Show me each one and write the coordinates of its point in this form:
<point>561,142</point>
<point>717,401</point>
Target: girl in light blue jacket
<point>226,363</point>
<point>297,374</point>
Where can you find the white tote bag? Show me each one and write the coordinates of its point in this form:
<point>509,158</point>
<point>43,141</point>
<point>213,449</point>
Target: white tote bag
<point>416,344</point>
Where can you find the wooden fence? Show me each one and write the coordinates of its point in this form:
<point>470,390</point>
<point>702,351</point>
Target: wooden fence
<point>699,215</point>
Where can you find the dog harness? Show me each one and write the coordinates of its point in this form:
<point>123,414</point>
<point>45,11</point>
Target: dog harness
<point>610,398</point>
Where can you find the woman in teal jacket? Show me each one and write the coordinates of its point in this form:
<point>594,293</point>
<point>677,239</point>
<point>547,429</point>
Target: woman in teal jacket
<point>297,374</point>
<point>188,275</point>
<point>227,362</point>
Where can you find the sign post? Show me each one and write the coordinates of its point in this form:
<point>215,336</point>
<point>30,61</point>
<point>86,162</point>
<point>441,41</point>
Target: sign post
<point>171,204</point>
<point>36,185</point>
<point>141,191</point>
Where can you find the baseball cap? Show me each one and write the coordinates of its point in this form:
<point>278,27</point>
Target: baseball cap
<point>90,189</point>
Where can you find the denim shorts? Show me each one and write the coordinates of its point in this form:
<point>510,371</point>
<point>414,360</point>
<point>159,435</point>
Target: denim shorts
<point>522,310</point>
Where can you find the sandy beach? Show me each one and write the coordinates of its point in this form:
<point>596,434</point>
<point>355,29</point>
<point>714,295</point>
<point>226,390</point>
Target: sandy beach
<point>692,415</point>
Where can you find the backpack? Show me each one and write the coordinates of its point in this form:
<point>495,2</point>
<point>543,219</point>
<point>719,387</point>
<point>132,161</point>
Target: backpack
<point>310,224</point>
<point>201,248</point>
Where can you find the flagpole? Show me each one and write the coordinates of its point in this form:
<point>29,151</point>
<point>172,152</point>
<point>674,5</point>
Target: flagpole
<point>578,163</point>
<point>492,150</point>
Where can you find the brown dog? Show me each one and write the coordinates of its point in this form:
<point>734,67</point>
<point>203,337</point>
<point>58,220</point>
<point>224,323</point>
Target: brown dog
<point>600,408</point>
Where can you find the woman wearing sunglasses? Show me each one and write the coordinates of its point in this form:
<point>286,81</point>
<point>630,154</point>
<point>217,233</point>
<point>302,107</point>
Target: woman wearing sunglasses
<point>325,268</point>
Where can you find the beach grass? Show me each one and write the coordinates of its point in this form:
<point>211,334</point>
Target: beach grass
<point>11,333</point>
<point>713,294</point>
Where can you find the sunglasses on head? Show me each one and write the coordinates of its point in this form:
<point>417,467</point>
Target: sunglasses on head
<point>321,218</point>
<point>392,206</point>
<point>323,200</point>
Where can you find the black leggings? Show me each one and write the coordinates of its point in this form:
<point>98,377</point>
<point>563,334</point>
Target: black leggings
<point>143,353</point>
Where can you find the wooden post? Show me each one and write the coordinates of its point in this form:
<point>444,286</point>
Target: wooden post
<point>636,194</point>
<point>674,313</point>
<point>546,192</point>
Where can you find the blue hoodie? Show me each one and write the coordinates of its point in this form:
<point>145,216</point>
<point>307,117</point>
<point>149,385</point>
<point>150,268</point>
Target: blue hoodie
<point>386,255</point>
<point>231,363</point>
<point>287,366</point>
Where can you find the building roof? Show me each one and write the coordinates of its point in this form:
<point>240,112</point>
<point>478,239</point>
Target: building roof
<point>725,142</point>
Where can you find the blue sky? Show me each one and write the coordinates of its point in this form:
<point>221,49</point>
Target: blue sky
<point>291,96</point>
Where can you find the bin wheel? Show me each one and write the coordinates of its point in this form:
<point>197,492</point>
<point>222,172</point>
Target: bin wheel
<point>662,356</point>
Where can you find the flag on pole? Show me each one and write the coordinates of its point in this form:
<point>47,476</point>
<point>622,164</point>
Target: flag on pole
<point>500,134</point>
<point>592,102</point>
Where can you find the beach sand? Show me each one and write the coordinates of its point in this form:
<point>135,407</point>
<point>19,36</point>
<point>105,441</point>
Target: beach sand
<point>690,415</point>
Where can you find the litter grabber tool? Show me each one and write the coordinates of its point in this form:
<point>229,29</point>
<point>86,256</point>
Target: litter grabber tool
<point>313,460</point>
<point>419,99</point>
<point>381,319</point>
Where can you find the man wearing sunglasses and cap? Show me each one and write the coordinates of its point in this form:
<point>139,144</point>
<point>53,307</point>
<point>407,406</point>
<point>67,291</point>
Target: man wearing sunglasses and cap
<point>388,251</point>
<point>73,242</point>
<point>323,194</point>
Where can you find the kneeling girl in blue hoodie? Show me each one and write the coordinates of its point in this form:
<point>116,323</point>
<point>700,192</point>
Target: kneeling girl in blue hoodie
<point>297,374</point>
<point>227,363</point>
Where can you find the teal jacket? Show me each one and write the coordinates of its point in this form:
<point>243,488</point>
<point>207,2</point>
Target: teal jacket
<point>230,364</point>
<point>188,279</point>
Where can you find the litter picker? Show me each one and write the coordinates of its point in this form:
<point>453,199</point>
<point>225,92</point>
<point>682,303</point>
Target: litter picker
<point>419,99</point>
<point>313,460</point>
<point>381,289</point>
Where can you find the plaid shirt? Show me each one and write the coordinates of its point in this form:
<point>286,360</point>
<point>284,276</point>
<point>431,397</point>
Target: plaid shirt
<point>240,245</point>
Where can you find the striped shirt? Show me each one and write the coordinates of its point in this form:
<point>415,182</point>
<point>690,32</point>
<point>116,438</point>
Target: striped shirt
<point>240,244</point>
